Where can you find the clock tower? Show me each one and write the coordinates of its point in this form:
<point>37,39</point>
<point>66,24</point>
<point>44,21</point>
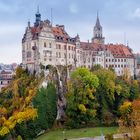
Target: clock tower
<point>97,33</point>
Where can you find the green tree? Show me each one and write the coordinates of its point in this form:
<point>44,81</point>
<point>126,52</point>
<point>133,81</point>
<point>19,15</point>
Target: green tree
<point>81,103</point>
<point>105,95</point>
<point>96,67</point>
<point>45,103</point>
<point>134,90</point>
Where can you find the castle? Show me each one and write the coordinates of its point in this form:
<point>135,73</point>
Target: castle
<point>44,44</point>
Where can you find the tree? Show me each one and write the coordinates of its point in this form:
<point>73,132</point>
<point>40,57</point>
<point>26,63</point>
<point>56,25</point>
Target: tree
<point>16,103</point>
<point>105,94</point>
<point>45,103</point>
<point>134,90</point>
<point>81,103</point>
<point>96,67</point>
<point>130,118</point>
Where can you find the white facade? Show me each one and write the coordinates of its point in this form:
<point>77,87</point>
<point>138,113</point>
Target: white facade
<point>45,45</point>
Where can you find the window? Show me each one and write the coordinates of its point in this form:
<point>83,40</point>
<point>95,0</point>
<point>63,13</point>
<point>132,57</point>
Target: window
<point>50,45</point>
<point>64,55</point>
<point>28,54</point>
<point>72,55</point>
<point>64,47</point>
<point>69,47</point>
<point>45,44</point>
<point>45,53</point>
<point>59,46</point>
<point>59,55</point>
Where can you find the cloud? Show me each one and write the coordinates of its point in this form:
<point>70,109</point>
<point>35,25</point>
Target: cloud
<point>10,7</point>
<point>137,13</point>
<point>11,28</point>
<point>73,8</point>
<point>10,42</point>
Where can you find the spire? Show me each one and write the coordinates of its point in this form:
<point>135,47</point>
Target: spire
<point>97,32</point>
<point>38,9</point>
<point>28,23</point>
<point>38,17</point>
<point>98,21</point>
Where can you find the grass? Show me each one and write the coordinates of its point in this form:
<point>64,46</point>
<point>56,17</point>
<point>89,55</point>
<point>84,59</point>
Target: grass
<point>77,133</point>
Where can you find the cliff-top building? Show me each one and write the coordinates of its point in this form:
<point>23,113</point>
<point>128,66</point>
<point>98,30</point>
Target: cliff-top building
<point>44,44</point>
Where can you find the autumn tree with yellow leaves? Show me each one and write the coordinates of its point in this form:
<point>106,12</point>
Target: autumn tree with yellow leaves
<point>130,118</point>
<point>16,103</point>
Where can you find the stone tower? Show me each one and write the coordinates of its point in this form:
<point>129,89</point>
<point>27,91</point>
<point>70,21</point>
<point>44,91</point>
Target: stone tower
<point>97,33</point>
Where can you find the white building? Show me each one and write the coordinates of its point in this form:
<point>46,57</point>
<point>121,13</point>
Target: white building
<point>5,77</point>
<point>43,44</point>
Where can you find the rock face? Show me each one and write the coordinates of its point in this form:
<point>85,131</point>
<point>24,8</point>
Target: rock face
<point>61,103</point>
<point>59,75</point>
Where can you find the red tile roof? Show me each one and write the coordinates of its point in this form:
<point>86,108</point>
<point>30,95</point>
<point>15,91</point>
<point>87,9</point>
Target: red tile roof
<point>60,34</point>
<point>119,50</point>
<point>91,46</point>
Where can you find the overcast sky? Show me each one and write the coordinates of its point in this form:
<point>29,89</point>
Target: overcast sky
<point>120,20</point>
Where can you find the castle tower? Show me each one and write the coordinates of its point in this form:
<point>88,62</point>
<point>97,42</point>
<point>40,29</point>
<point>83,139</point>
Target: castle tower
<point>97,33</point>
<point>38,17</point>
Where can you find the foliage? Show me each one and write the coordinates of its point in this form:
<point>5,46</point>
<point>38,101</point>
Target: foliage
<point>109,137</point>
<point>130,118</point>
<point>15,102</point>
<point>81,103</point>
<point>105,93</point>
<point>134,90</point>
<point>112,92</point>
<point>96,67</point>
<point>45,103</point>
